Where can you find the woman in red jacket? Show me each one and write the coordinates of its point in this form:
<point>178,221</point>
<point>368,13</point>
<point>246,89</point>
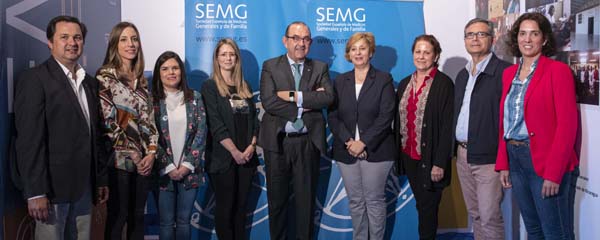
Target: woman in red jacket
<point>538,126</point>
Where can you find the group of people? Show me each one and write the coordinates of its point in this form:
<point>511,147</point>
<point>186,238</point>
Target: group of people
<point>509,126</point>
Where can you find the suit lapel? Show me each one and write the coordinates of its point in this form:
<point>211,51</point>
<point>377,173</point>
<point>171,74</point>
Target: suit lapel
<point>349,91</point>
<point>306,73</point>
<point>284,64</point>
<point>91,95</point>
<point>164,127</point>
<point>369,80</point>
<point>190,107</point>
<point>59,76</point>
<point>535,80</point>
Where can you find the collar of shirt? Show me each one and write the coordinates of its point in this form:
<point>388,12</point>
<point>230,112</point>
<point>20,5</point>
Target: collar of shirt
<point>479,67</point>
<point>428,77</point>
<point>529,76</point>
<point>291,61</point>
<point>80,73</point>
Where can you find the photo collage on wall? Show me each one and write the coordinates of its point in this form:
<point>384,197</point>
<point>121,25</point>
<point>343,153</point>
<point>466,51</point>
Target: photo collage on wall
<point>576,28</point>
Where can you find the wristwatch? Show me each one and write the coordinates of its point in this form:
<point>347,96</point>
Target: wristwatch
<point>292,93</point>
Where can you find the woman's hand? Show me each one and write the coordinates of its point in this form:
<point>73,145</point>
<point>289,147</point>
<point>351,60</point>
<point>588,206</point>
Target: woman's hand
<point>505,179</point>
<point>145,165</point>
<point>437,173</point>
<point>549,188</point>
<point>249,152</point>
<point>355,148</point>
<point>174,175</point>
<point>238,157</point>
<point>183,171</point>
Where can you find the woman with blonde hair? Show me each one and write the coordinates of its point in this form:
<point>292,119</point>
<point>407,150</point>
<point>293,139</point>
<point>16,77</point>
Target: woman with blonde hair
<point>230,152</point>
<point>360,120</point>
<point>130,131</point>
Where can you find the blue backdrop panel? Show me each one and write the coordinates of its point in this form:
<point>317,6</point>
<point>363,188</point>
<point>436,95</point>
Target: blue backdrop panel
<point>258,28</point>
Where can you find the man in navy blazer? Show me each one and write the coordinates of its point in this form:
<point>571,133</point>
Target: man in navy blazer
<point>293,91</point>
<point>57,160</point>
<point>477,95</point>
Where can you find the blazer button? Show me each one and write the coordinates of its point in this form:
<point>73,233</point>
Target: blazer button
<point>424,125</point>
<point>423,144</point>
<point>424,185</point>
<point>531,134</point>
<point>424,166</point>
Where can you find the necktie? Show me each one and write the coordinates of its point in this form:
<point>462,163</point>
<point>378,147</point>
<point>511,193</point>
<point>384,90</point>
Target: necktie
<point>298,124</point>
<point>297,75</point>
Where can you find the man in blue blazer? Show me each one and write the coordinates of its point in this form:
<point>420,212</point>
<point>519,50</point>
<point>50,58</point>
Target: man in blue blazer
<point>293,90</point>
<point>57,162</point>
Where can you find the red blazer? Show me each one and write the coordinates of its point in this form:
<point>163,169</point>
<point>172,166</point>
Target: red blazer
<point>551,117</point>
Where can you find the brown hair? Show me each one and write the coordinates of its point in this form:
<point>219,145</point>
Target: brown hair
<point>548,49</point>
<point>113,60</point>
<point>367,36</point>
<point>437,49</point>
<point>238,79</point>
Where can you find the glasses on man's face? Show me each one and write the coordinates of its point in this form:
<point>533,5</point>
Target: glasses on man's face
<point>297,38</point>
<point>472,35</point>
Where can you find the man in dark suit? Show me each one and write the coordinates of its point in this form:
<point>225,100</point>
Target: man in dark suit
<point>293,90</point>
<point>476,114</point>
<point>59,166</point>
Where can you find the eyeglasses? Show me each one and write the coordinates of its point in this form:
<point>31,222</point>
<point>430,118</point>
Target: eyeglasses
<point>471,35</point>
<point>297,38</point>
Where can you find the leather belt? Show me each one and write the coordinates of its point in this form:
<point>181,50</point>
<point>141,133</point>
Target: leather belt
<point>295,134</point>
<point>517,142</point>
<point>462,144</point>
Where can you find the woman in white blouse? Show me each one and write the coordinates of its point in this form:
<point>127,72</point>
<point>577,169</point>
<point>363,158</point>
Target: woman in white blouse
<point>181,121</point>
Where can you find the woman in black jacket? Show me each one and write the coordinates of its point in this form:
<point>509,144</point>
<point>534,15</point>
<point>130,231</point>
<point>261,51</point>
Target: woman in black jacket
<point>363,145</point>
<point>423,129</point>
<point>230,152</point>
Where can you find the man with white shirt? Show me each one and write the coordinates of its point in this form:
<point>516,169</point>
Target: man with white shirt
<point>294,90</point>
<point>478,89</point>
<point>59,163</point>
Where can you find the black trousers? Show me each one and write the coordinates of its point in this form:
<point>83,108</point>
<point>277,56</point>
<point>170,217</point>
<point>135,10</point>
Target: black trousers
<point>297,163</point>
<point>231,190</point>
<point>428,200</point>
<point>126,204</point>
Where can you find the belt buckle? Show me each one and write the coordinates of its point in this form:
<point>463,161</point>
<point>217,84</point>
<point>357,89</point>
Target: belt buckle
<point>462,144</point>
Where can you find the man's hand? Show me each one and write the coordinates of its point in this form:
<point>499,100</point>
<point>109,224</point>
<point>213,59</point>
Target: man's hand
<point>285,95</point>
<point>549,188</point>
<point>505,179</point>
<point>102,194</point>
<point>38,208</point>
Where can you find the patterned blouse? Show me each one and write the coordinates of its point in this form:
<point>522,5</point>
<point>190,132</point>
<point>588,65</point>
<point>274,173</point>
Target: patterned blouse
<point>193,149</point>
<point>127,118</point>
<point>412,110</point>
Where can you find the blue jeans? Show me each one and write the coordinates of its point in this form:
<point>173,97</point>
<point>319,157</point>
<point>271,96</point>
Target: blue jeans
<point>175,211</point>
<point>545,218</point>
